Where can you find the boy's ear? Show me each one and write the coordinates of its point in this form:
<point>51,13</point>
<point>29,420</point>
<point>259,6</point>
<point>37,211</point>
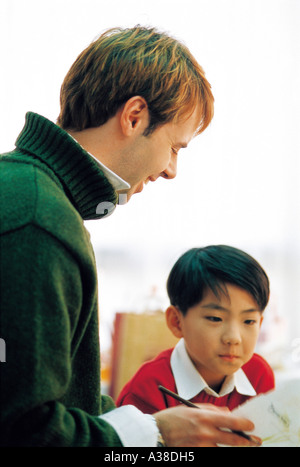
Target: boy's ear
<point>134,115</point>
<point>173,319</point>
<point>261,320</point>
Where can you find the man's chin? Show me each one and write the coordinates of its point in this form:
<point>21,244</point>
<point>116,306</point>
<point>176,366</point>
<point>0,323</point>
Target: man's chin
<point>137,189</point>
<point>132,191</point>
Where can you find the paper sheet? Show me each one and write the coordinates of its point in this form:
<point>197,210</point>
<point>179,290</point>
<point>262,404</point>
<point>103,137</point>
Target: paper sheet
<point>276,415</point>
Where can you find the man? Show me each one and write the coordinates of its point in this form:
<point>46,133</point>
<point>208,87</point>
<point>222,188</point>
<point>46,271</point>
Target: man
<point>129,103</point>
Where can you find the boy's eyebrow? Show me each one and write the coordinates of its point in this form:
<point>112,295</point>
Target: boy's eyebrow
<point>215,306</point>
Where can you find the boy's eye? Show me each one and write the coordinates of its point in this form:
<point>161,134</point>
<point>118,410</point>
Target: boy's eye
<point>250,322</point>
<point>214,319</point>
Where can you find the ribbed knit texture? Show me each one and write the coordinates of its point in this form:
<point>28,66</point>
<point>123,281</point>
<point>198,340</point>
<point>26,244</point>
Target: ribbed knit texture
<point>78,171</point>
<point>50,383</point>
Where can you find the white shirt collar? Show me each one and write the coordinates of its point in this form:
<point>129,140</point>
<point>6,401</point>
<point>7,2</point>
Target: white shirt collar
<point>117,182</point>
<point>189,382</point>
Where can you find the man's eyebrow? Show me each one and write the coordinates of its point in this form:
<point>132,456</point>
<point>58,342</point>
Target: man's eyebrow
<point>215,306</point>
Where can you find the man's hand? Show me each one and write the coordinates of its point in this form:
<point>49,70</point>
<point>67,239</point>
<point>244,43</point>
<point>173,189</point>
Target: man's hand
<point>183,426</point>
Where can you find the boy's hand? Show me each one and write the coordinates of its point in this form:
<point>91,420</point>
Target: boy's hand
<point>183,426</point>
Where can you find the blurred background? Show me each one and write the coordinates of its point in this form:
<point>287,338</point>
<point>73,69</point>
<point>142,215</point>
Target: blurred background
<point>237,183</point>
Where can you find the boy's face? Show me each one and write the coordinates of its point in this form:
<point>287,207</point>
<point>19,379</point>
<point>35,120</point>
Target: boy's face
<point>221,333</point>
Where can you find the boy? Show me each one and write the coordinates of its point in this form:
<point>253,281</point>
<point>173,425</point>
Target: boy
<point>217,295</point>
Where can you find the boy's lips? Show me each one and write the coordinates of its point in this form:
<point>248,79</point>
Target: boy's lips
<point>229,357</point>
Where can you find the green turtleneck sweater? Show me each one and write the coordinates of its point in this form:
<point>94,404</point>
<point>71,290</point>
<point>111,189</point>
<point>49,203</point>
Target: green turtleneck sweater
<point>50,382</point>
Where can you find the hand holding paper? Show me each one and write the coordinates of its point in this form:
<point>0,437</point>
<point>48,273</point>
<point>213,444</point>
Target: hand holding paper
<point>276,415</point>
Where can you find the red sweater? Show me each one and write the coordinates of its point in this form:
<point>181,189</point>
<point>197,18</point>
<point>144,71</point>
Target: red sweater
<point>142,390</point>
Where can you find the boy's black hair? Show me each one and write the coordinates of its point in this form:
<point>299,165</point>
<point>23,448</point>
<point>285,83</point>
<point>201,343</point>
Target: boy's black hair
<point>212,267</point>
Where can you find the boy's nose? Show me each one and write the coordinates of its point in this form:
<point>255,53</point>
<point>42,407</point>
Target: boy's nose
<point>232,336</point>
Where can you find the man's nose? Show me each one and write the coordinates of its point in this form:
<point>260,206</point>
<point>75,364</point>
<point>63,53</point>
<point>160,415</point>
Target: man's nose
<point>171,171</point>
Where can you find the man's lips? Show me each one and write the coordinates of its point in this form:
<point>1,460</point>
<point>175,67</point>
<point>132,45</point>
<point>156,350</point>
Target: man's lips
<point>144,183</point>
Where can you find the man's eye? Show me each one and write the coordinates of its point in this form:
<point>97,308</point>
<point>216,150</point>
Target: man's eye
<point>174,150</point>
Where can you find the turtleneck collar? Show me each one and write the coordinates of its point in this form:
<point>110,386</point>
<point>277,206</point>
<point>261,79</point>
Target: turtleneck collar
<point>80,175</point>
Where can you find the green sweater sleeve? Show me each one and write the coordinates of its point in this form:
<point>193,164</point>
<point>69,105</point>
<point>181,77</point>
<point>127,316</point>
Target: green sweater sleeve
<point>41,318</point>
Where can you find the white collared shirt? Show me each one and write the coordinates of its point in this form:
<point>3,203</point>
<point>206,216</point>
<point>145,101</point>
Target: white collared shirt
<point>189,382</point>
<point>118,183</point>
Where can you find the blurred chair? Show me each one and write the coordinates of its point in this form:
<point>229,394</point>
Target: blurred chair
<point>136,339</point>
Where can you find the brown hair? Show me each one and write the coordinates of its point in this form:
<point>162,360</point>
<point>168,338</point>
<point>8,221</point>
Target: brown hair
<point>123,63</point>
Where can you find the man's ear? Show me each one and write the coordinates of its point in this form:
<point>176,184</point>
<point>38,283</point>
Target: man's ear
<point>173,319</point>
<point>134,116</point>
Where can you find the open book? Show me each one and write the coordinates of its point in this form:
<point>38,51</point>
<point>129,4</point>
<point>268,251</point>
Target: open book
<point>276,415</point>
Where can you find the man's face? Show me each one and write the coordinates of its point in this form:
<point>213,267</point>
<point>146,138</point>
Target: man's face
<point>154,156</point>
